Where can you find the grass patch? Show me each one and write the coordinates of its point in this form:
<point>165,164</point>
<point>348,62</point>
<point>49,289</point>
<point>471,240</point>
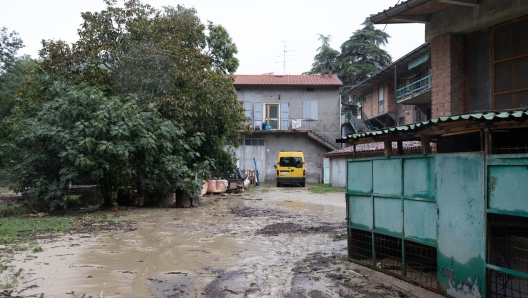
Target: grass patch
<point>324,188</point>
<point>25,229</point>
<point>262,188</point>
<point>13,209</point>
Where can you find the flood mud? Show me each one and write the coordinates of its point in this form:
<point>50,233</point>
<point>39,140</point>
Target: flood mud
<point>273,243</point>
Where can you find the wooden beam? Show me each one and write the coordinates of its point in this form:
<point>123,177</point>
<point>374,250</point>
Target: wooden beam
<point>461,2</point>
<point>388,147</point>
<point>413,19</point>
<point>426,146</point>
<point>400,147</point>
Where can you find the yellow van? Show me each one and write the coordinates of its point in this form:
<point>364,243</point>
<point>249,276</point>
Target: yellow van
<point>291,168</point>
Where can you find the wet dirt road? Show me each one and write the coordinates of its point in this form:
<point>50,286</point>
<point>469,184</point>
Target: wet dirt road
<point>275,242</point>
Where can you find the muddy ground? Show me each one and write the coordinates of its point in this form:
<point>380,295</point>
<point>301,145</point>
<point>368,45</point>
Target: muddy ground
<point>274,242</point>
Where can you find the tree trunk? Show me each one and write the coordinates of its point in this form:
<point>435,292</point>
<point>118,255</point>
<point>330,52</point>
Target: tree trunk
<point>106,192</point>
<point>139,185</point>
<point>179,198</point>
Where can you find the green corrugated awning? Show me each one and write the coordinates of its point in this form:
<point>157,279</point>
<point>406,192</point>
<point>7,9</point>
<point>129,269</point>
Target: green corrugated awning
<point>482,117</point>
<point>421,59</point>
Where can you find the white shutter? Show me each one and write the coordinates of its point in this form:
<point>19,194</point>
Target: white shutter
<point>247,109</point>
<point>258,114</point>
<point>313,110</point>
<point>310,109</point>
<point>284,115</point>
<point>306,109</point>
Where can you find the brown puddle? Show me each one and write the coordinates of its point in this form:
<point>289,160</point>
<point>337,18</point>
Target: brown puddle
<point>191,252</point>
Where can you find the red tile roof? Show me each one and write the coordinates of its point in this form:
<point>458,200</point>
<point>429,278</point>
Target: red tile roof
<point>287,80</point>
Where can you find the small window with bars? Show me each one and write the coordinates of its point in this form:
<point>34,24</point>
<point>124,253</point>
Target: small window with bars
<point>254,142</point>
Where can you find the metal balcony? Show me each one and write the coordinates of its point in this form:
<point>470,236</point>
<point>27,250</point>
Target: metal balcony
<point>415,92</point>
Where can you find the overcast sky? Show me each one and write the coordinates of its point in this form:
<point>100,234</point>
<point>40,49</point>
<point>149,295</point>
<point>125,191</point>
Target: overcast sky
<point>262,30</point>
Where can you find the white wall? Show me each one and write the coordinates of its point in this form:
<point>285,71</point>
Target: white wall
<point>338,171</point>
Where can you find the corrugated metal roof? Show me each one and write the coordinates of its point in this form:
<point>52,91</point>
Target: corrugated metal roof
<point>493,116</point>
<point>408,8</point>
<point>288,80</point>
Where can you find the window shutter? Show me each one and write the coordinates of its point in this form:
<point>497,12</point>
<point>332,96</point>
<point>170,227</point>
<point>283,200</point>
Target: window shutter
<point>247,109</point>
<point>285,115</point>
<point>313,110</point>
<point>306,109</point>
<point>258,113</point>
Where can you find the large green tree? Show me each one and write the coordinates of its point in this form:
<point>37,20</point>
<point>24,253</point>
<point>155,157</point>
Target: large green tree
<point>12,69</point>
<point>163,62</point>
<point>11,81</point>
<point>75,133</point>
<point>362,55</point>
<point>10,43</point>
<point>326,56</point>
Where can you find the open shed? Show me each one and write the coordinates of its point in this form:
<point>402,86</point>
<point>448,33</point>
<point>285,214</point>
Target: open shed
<point>454,221</point>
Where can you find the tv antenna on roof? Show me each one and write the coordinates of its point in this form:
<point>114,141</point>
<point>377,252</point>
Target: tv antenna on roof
<point>284,51</point>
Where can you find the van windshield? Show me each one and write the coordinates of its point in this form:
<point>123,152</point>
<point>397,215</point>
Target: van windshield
<point>291,162</point>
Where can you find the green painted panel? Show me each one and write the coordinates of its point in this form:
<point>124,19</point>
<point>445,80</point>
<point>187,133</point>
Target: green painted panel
<point>388,215</point>
<point>461,235</point>
<point>360,209</point>
<point>387,175</point>
<point>508,188</point>
<point>359,175</point>
<point>418,177</point>
<point>420,220</point>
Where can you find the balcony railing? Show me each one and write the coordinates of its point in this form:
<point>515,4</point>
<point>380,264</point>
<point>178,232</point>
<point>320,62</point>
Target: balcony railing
<point>417,87</point>
<point>278,124</point>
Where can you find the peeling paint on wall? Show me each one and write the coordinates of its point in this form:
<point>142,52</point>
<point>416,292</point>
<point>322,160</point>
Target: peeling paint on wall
<point>464,289</point>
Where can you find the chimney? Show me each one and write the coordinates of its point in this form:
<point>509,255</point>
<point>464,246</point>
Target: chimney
<point>322,70</point>
<point>330,71</point>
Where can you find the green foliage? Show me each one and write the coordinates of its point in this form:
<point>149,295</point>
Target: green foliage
<point>362,56</point>
<point>11,80</point>
<point>10,43</point>
<point>36,249</point>
<point>141,98</point>
<point>326,56</point>
<point>221,48</point>
<point>224,163</point>
<point>13,209</point>
<point>76,132</point>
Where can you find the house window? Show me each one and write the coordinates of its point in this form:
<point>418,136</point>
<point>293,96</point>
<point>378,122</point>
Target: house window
<point>368,97</point>
<point>310,89</point>
<point>238,89</point>
<point>310,110</point>
<point>272,115</point>
<point>510,62</point>
<point>380,100</point>
<point>254,142</point>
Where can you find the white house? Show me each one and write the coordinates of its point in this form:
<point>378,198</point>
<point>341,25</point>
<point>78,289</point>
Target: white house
<point>288,112</point>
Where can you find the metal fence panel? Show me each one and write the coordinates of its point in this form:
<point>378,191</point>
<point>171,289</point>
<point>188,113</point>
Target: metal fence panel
<point>461,223</point>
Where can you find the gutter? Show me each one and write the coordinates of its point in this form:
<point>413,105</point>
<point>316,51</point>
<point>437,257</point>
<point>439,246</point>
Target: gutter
<point>389,13</point>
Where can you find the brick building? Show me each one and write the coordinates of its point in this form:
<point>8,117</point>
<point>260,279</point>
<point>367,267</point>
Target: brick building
<point>399,94</point>
<point>479,51</point>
